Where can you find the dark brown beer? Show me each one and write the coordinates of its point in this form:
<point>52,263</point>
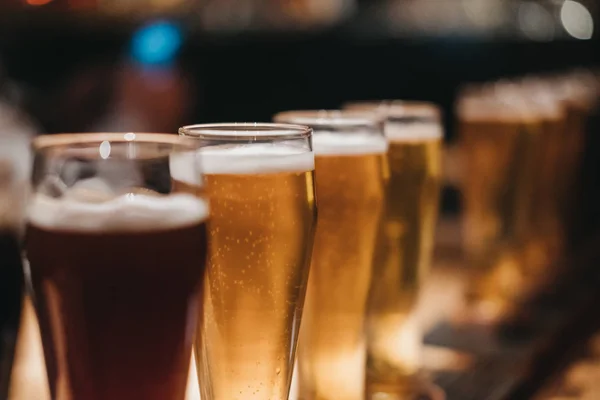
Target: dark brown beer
<point>117,305</point>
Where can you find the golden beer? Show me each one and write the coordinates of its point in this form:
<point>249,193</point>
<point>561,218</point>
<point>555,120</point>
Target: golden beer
<point>350,178</point>
<point>488,146</point>
<point>490,134</point>
<point>260,237</point>
<point>546,124</point>
<point>405,245</point>
<point>509,138</point>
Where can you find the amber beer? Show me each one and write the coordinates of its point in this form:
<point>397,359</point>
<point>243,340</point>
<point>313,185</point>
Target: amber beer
<point>405,244</point>
<point>116,274</point>
<point>350,169</point>
<point>500,140</point>
<point>261,233</point>
<point>488,140</point>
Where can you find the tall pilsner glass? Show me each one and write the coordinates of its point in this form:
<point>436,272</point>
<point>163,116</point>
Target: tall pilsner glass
<point>404,249</point>
<point>260,181</point>
<point>350,156</point>
<point>117,256</point>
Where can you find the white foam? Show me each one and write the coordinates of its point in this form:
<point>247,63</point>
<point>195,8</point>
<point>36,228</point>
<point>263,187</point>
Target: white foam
<point>92,189</point>
<point>125,213</point>
<point>487,108</point>
<point>328,143</point>
<point>417,131</point>
<point>184,168</point>
<point>256,158</point>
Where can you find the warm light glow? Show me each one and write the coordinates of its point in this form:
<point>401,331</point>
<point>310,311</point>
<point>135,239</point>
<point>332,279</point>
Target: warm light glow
<point>485,13</point>
<point>577,20</point>
<point>37,2</point>
<point>400,343</point>
<point>341,376</point>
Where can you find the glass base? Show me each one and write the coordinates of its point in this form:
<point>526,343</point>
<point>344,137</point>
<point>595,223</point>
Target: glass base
<point>415,389</point>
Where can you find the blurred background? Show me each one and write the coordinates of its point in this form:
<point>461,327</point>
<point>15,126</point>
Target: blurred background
<point>155,65</point>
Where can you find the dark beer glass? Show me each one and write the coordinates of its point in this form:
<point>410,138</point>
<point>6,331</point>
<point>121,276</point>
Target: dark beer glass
<point>117,260</point>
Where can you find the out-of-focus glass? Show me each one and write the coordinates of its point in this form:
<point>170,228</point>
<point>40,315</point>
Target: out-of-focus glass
<point>405,247</point>
<point>350,160</point>
<point>578,97</point>
<point>14,166</point>
<point>117,256</point>
<point>260,181</point>
<point>539,224</point>
<point>493,142</point>
<point>522,144</point>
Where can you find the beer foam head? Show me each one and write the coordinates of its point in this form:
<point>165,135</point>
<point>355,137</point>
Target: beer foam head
<point>488,107</point>
<point>337,132</point>
<point>405,120</point>
<point>124,213</point>
<point>253,158</point>
<point>183,167</point>
<point>528,100</point>
<point>575,90</point>
<point>413,132</point>
<point>336,143</point>
<point>324,120</point>
<point>398,109</point>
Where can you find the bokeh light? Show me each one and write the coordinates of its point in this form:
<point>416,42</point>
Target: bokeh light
<point>37,2</point>
<point>577,20</point>
<point>536,22</point>
<point>156,43</point>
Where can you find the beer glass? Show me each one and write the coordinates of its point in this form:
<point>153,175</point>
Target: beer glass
<point>14,166</point>
<point>405,248</point>
<point>117,255</point>
<point>260,181</point>
<point>499,138</point>
<point>578,96</point>
<point>539,227</point>
<point>350,170</point>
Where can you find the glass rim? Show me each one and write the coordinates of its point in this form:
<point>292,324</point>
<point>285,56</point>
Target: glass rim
<point>334,119</point>
<point>235,131</point>
<point>50,141</point>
